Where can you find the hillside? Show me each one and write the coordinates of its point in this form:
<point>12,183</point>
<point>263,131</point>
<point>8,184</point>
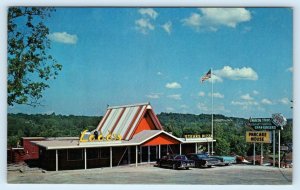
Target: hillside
<point>228,131</point>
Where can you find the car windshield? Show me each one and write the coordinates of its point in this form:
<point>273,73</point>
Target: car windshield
<point>202,156</point>
<point>180,157</point>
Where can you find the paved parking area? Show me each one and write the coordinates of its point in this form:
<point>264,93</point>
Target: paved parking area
<point>148,174</point>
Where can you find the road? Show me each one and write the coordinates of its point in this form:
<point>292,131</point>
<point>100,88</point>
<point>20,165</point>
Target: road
<point>148,174</point>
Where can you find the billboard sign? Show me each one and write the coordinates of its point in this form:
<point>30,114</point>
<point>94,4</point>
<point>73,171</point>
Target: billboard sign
<point>258,136</point>
<point>278,119</point>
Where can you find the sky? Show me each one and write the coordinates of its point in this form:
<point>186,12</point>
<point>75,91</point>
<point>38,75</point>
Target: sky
<point>117,56</point>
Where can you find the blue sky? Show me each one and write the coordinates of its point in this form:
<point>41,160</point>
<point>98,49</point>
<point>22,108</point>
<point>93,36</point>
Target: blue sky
<point>122,56</point>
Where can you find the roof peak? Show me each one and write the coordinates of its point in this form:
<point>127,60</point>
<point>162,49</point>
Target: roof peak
<point>128,105</point>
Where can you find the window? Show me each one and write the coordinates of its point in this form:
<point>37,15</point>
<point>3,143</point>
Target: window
<point>74,154</point>
<point>92,153</point>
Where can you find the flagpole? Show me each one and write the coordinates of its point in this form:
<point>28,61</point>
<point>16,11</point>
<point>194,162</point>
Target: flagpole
<point>212,112</point>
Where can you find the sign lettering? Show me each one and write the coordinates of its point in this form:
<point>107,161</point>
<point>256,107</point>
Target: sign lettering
<point>197,136</point>
<point>258,136</point>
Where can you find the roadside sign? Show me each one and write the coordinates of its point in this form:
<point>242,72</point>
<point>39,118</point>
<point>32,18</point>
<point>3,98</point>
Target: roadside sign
<point>259,127</point>
<point>258,136</point>
<point>278,119</point>
<point>284,148</point>
<point>276,122</point>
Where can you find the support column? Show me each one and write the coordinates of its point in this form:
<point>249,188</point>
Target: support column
<point>85,158</point>
<point>196,148</point>
<point>261,153</point>
<point>136,156</point>
<point>156,151</point>
<point>208,148</point>
<point>141,154</point>
<point>148,154</point>
<point>279,149</point>
<point>129,154</point>
<point>253,153</point>
<point>179,148</point>
<point>56,160</point>
<point>274,148</point>
<point>159,151</point>
<point>110,157</point>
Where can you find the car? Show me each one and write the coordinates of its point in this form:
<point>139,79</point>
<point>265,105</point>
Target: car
<point>203,160</point>
<point>225,160</point>
<point>176,162</point>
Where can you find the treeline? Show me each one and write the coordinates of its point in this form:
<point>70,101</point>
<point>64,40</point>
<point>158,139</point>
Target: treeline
<point>228,131</point>
<point>44,125</point>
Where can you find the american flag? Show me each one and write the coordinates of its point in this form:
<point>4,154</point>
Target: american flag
<point>206,76</point>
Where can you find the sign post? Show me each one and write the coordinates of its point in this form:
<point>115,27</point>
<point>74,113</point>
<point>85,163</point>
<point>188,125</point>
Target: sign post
<point>279,149</point>
<point>254,154</point>
<point>273,148</point>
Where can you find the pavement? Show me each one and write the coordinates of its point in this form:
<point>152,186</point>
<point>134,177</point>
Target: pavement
<point>149,174</point>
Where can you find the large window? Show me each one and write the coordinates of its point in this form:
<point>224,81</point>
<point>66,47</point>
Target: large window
<point>92,153</point>
<point>75,154</point>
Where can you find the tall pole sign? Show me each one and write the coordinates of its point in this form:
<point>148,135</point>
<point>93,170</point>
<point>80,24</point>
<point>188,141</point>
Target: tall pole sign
<point>277,122</point>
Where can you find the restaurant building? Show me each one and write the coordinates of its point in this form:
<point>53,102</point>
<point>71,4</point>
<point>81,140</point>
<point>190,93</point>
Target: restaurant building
<point>129,134</point>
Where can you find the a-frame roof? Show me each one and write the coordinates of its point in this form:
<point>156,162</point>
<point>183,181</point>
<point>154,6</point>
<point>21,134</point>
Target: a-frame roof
<point>123,120</point>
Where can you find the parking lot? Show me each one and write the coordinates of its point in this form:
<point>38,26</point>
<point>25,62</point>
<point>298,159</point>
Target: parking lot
<point>148,174</point>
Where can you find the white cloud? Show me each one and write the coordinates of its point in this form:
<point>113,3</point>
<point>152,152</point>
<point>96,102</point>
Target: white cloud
<point>201,94</point>
<point>246,97</point>
<point>213,18</point>
<point>170,109</point>
<point>167,27</point>
<point>153,96</point>
<point>245,73</point>
<point>63,37</point>
<point>173,85</point>
<point>244,103</point>
<point>229,17</point>
<point>255,92</point>
<point>143,25</point>
<point>215,78</point>
<point>217,95</point>
<point>193,21</point>
<point>266,101</point>
<point>290,69</point>
<point>159,73</point>
<point>202,107</point>
<point>175,96</point>
<point>148,12</point>
<point>183,106</point>
<point>284,101</point>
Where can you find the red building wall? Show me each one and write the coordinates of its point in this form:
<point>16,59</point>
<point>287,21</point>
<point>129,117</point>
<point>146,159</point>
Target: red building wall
<point>146,123</point>
<point>161,139</point>
<point>31,150</point>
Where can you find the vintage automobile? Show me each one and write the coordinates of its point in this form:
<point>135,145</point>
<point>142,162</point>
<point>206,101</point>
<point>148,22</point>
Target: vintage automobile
<point>203,160</point>
<point>176,162</point>
<point>225,160</point>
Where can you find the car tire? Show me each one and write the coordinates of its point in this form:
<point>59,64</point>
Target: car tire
<point>187,168</point>
<point>209,166</point>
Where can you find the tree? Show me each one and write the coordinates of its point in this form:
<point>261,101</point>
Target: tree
<point>29,64</point>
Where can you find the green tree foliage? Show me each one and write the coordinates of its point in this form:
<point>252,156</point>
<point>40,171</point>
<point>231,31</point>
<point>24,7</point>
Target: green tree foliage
<point>42,125</point>
<point>229,132</point>
<point>29,64</point>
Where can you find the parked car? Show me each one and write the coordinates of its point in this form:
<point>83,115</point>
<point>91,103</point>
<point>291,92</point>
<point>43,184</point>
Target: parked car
<point>225,160</point>
<point>203,160</point>
<point>176,162</point>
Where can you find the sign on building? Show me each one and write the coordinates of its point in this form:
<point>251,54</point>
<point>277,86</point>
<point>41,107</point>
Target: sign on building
<point>258,136</point>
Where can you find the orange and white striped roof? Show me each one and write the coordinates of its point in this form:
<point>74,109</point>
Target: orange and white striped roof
<point>123,120</point>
